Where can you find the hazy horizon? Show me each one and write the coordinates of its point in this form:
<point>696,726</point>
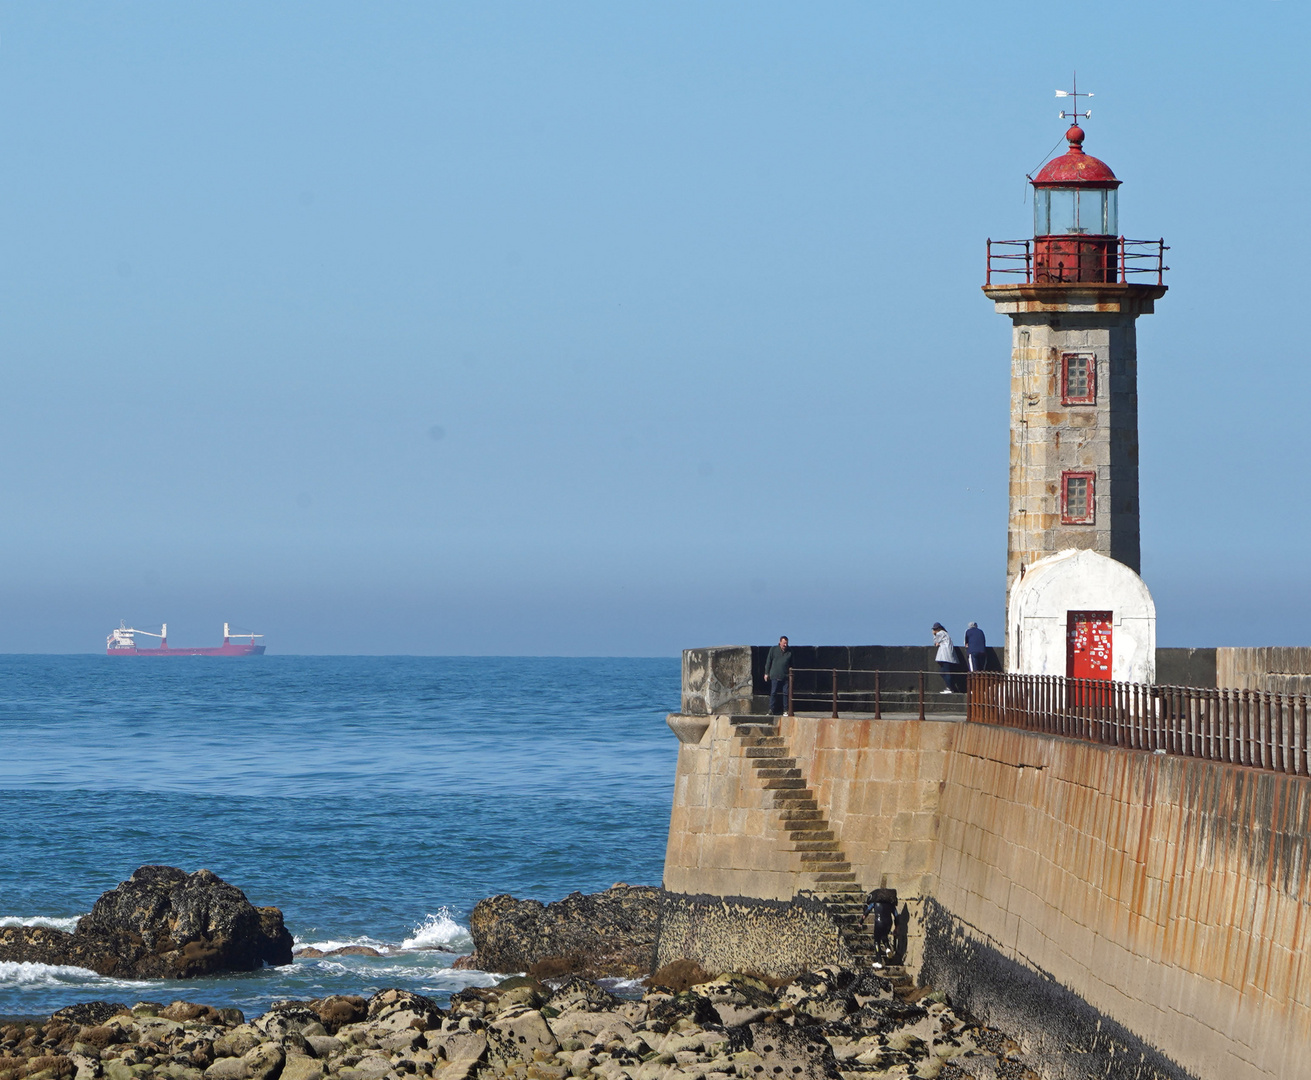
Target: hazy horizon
<point>582,330</point>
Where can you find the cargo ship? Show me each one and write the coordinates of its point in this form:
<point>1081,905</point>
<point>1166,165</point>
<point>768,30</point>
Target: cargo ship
<point>123,642</point>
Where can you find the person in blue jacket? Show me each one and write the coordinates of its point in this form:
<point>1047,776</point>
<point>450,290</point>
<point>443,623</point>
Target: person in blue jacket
<point>976,648</point>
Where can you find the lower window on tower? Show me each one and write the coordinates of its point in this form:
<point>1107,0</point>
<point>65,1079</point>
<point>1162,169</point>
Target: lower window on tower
<point>1077,498</point>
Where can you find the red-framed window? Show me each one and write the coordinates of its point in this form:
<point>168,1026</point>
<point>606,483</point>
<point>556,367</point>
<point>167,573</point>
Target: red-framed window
<point>1078,379</point>
<point>1077,498</point>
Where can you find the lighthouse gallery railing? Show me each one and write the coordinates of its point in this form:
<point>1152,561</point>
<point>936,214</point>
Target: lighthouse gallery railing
<point>1012,262</point>
<point>1245,727</point>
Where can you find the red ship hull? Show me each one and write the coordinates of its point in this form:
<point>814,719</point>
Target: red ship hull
<point>221,650</point>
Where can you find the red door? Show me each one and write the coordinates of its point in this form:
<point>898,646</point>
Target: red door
<point>1088,645</point>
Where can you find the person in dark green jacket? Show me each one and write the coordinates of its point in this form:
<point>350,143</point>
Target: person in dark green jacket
<point>777,665</point>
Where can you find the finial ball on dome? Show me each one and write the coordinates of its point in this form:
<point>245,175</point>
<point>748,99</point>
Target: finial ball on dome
<point>1075,135</point>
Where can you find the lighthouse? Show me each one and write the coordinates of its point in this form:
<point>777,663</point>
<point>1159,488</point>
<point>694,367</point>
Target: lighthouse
<point>1073,293</point>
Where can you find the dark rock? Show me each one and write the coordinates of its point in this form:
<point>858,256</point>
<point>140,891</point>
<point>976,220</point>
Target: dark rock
<point>89,1013</point>
<point>161,923</point>
<point>576,993</point>
<point>182,1011</point>
<point>689,1005</point>
<point>611,933</point>
<point>680,975</point>
<point>737,999</point>
<point>401,1010</point>
<point>794,1052</point>
<point>338,1010</point>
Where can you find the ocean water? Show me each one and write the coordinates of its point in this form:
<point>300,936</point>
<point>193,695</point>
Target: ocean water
<point>374,800</point>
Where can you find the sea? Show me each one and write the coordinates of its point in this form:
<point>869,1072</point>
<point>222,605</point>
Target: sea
<point>375,800</point>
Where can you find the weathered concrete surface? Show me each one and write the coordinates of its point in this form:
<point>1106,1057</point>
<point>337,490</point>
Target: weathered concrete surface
<point>1063,1036</point>
<point>717,680</point>
<point>1168,895</point>
<point>1284,670</point>
<point>773,938</point>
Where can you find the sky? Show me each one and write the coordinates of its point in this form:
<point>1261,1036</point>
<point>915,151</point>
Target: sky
<point>614,329</point>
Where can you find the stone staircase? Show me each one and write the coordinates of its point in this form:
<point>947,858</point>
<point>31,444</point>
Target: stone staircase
<point>808,831</point>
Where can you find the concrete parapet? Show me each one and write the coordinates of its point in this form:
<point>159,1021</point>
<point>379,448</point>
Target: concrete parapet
<point>1279,670</point>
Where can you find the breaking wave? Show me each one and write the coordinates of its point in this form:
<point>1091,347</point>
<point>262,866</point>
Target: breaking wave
<point>439,930</point>
<point>24,975</point>
<point>68,925</point>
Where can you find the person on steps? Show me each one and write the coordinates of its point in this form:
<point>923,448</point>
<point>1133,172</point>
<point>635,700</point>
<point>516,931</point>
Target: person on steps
<point>945,656</point>
<point>777,665</point>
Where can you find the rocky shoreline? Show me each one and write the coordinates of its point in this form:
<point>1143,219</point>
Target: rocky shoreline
<point>551,1024</point>
<point>829,1024</point>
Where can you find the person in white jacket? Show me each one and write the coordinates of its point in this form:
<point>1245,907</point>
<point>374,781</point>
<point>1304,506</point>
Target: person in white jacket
<point>945,656</point>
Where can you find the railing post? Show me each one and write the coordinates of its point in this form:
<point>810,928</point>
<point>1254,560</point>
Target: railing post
<point>790,683</point>
<point>921,695</point>
<point>1299,736</point>
<point>987,277</point>
<point>878,712</point>
<point>835,693</point>
<point>1028,268</point>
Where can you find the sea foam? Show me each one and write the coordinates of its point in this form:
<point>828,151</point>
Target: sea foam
<point>23,975</point>
<point>68,925</point>
<point>438,930</point>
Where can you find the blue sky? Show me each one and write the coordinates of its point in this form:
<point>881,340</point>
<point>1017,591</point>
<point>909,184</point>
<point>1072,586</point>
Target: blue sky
<point>614,328</point>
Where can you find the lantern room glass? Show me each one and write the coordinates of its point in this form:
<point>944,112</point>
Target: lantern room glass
<point>1072,211</point>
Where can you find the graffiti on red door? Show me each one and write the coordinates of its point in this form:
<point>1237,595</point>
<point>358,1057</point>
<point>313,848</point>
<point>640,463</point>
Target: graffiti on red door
<point>1088,645</point>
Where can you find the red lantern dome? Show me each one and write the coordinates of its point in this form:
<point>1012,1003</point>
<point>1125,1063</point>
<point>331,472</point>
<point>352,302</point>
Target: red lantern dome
<point>1074,167</point>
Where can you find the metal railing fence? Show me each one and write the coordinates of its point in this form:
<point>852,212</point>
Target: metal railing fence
<point>1127,261</point>
<point>862,690</point>
<point>1244,727</point>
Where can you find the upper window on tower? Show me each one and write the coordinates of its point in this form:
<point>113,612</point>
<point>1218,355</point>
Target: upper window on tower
<point>1077,498</point>
<point>1078,379</point>
<point>1066,211</point>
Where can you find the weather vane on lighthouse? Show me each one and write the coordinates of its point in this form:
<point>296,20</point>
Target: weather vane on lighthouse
<point>1074,93</point>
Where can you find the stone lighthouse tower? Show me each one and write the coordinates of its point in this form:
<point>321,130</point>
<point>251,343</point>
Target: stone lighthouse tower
<point>1073,294</point>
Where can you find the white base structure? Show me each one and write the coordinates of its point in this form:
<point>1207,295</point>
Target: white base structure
<point>1078,613</point>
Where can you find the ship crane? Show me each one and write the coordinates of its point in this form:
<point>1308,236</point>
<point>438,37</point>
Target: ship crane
<point>229,634</point>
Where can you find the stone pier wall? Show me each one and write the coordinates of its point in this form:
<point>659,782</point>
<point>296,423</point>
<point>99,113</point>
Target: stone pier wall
<point>1273,670</point>
<point>1159,904</point>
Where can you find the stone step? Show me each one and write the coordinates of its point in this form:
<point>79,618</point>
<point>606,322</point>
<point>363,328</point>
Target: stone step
<point>786,800</point>
<point>800,815</point>
<point>815,845</point>
<point>774,763</point>
<point>828,859</point>
<point>800,832</point>
<point>787,783</point>
<point>771,773</point>
<point>766,751</point>
<point>831,876</point>
<point>845,888</point>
